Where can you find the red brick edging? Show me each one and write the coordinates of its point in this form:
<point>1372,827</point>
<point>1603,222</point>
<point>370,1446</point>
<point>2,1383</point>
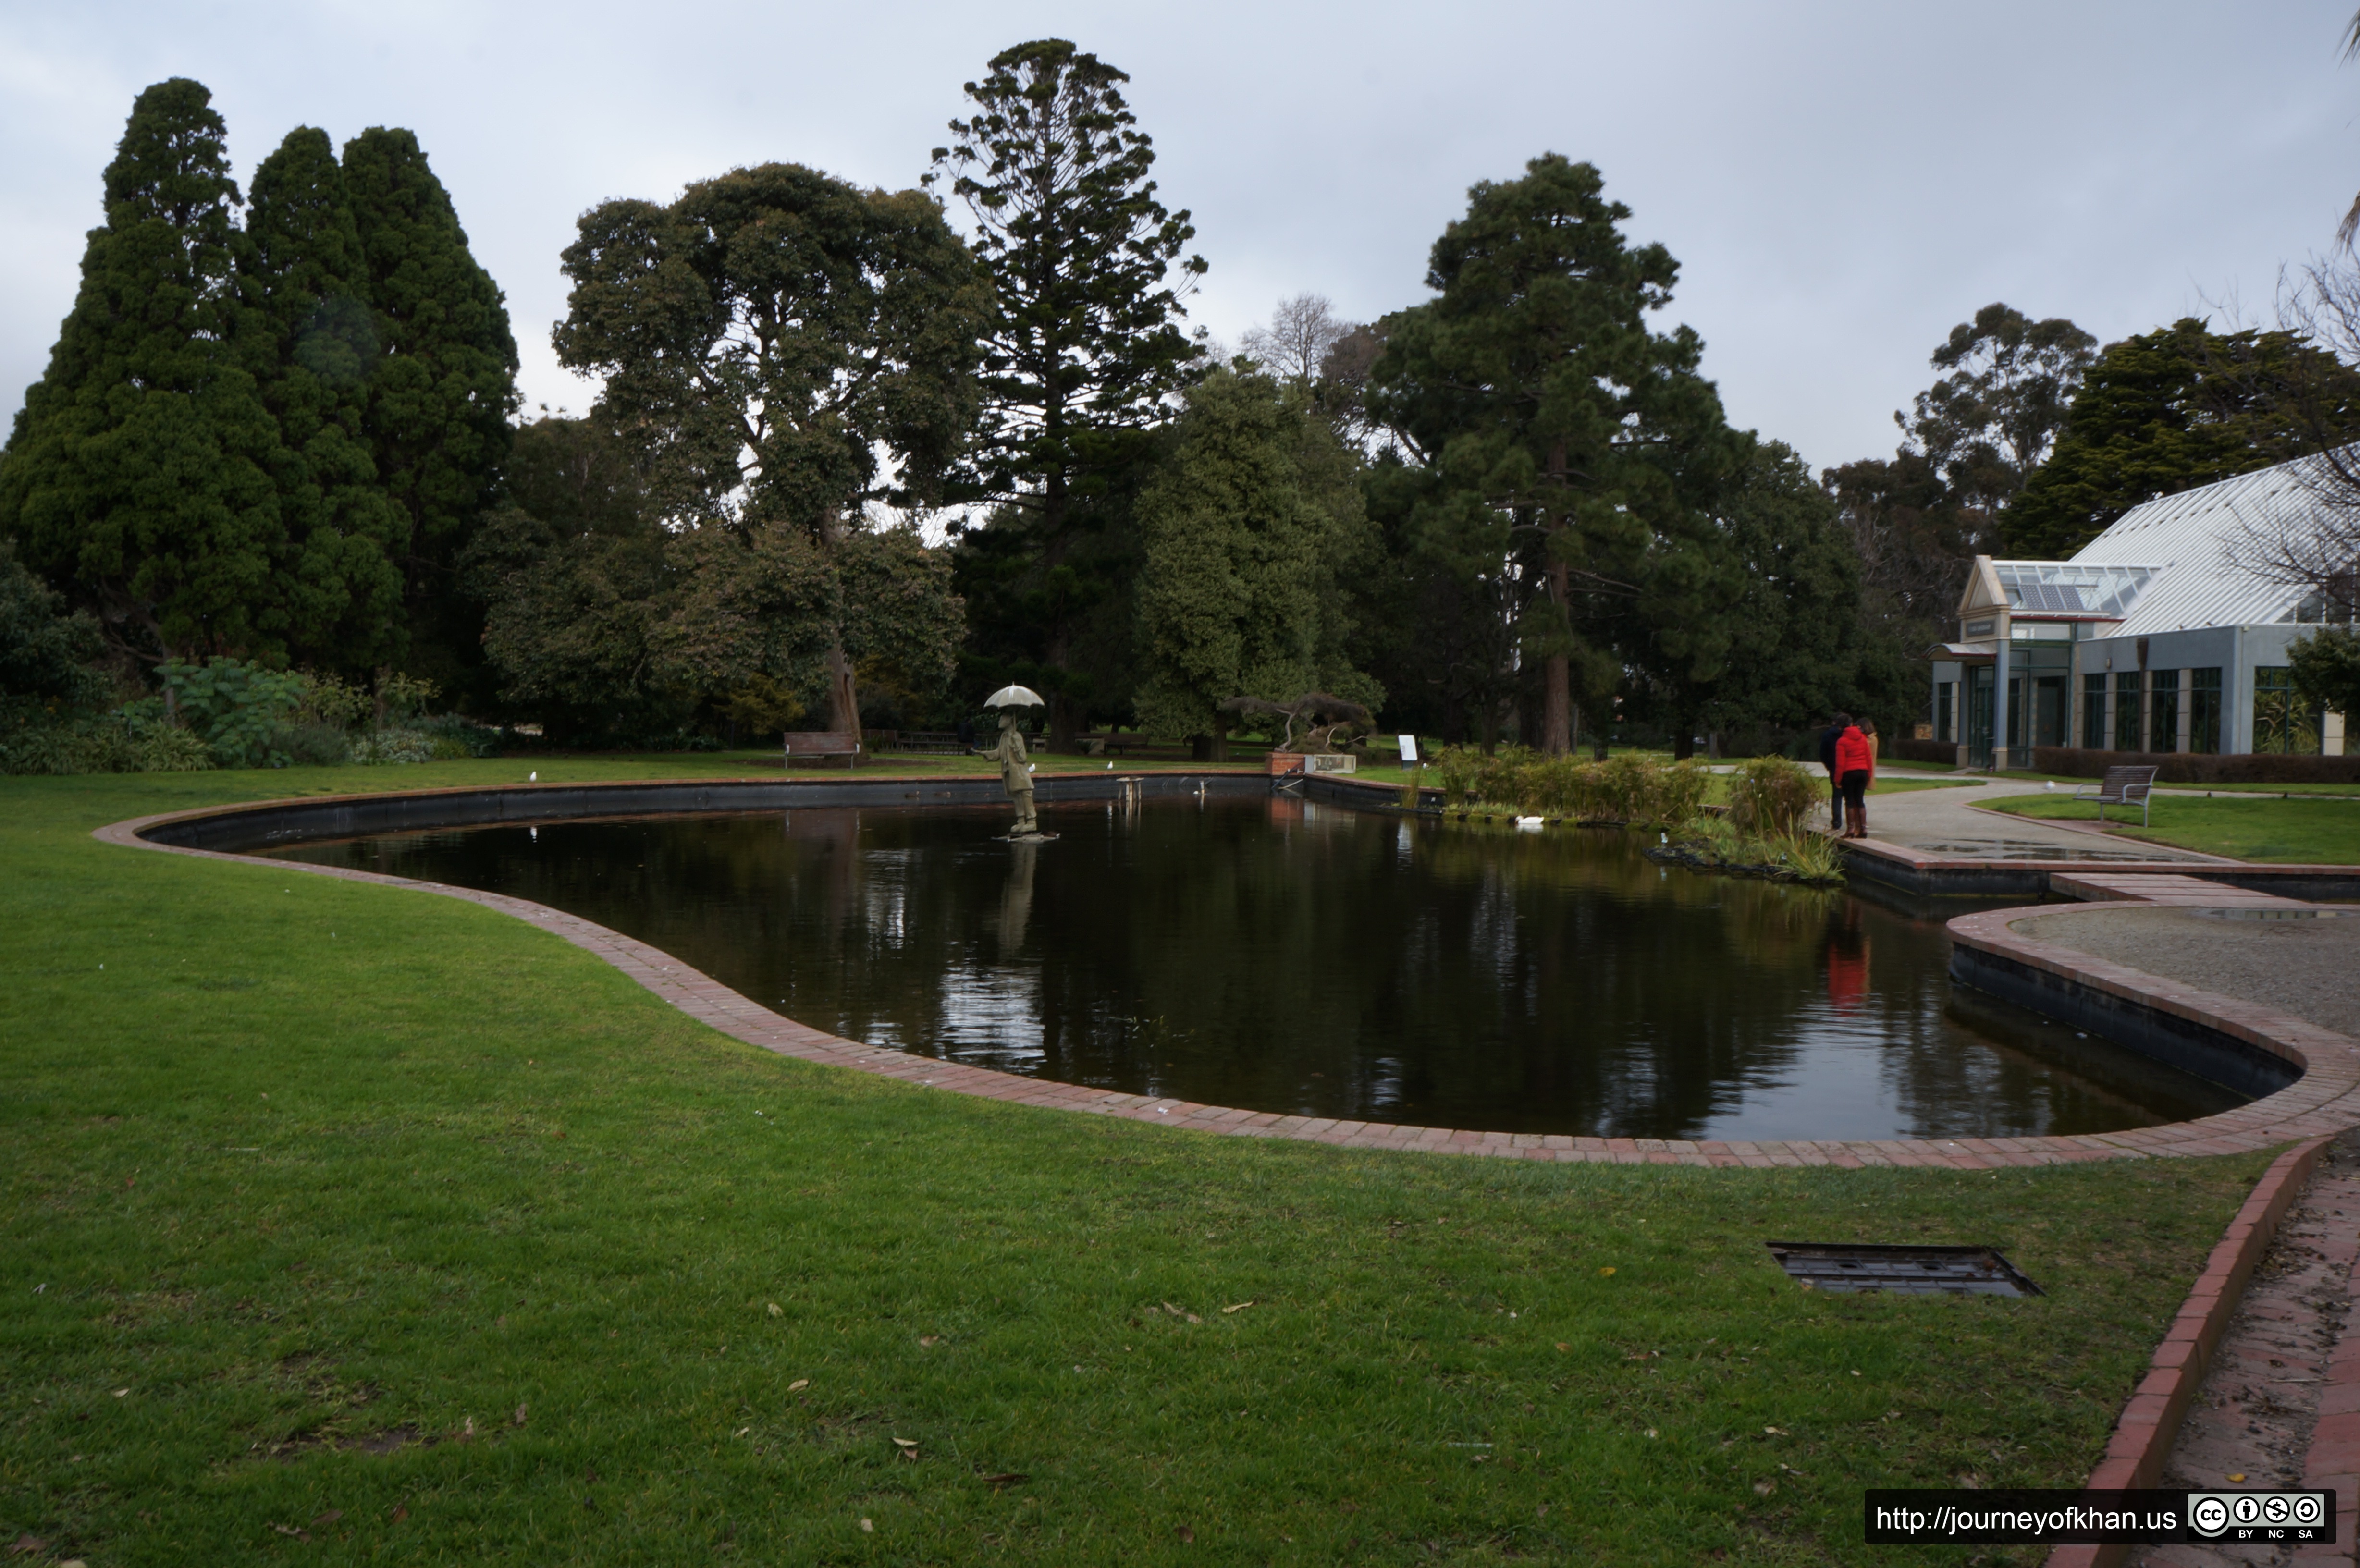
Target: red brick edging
<point>2150,1420</point>
<point>2323,1100</point>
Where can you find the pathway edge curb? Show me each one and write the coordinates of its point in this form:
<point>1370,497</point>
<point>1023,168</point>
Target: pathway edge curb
<point>2150,1418</point>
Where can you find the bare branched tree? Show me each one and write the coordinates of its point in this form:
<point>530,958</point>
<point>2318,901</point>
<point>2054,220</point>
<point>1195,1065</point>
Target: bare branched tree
<point>1295,343</point>
<point>2315,544</point>
<point>1343,388</point>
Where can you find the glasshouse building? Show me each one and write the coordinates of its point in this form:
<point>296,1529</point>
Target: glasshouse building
<point>2151,639</point>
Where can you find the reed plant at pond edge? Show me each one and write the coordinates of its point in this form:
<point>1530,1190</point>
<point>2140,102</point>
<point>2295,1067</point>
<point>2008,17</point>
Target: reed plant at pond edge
<point>1636,791</point>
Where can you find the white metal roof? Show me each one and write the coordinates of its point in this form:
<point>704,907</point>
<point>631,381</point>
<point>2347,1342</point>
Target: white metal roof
<point>2185,539</point>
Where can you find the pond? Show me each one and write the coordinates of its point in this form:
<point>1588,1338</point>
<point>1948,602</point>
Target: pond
<point>1284,956</point>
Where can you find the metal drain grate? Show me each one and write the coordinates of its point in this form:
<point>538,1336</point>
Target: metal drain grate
<point>1921,1270</point>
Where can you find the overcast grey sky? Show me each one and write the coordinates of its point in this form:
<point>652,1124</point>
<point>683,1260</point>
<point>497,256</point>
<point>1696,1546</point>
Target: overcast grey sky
<point>1841,182</point>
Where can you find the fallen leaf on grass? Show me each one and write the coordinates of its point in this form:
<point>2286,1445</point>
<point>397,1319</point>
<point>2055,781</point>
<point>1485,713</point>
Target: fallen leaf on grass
<point>741,1431</point>
<point>1187,1537</point>
<point>27,1544</point>
<point>1563,1346</point>
<point>797,1385</point>
<point>904,1442</point>
<point>1763,1488</point>
<point>1242,1306</point>
<point>1012,1478</point>
<point>325,1519</point>
<point>777,1310</point>
<point>519,1415</point>
<point>120,1392</point>
<point>1608,1269</point>
<point>928,1340</point>
<point>288,1530</point>
<point>1774,1431</point>
<point>400,1513</point>
<point>866,1525</point>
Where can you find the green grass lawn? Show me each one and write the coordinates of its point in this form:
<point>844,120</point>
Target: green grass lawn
<point>2246,828</point>
<point>376,1216</point>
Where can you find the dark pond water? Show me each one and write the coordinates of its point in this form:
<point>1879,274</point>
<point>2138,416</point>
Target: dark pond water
<point>1284,956</point>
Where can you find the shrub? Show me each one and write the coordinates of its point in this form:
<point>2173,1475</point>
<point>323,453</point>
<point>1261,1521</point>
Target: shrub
<point>1770,797</point>
<point>400,745</point>
<point>312,743</point>
<point>40,742</point>
<point>456,736</point>
<point>1627,789</point>
<point>237,707</point>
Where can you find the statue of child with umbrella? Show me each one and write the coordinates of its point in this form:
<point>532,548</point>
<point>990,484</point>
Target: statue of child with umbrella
<point>1015,772</point>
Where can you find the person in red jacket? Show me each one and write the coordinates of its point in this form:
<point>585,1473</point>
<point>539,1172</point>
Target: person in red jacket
<point>1855,769</point>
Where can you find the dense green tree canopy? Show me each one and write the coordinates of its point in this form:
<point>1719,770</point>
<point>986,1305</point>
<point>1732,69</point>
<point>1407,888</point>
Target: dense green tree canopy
<point>1081,359</point>
<point>1799,651</point>
<point>2326,666</point>
<point>2166,411</point>
<point>1988,423</point>
<point>782,348</point>
<point>443,388</point>
<point>314,349</point>
<point>45,651</point>
<point>1553,420</point>
<point>140,470</point>
<point>1248,529</point>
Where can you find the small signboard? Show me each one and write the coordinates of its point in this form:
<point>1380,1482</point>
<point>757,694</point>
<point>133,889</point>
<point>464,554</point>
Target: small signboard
<point>1409,749</point>
<point>1981,628</point>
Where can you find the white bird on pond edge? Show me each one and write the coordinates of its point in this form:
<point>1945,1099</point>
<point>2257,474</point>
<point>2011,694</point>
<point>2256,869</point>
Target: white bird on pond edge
<point>1529,824</point>
<point>533,777</point>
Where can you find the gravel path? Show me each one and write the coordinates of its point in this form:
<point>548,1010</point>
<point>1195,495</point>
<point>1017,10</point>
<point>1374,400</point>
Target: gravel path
<point>2306,967</point>
<point>1942,822</point>
<point>2251,1422</point>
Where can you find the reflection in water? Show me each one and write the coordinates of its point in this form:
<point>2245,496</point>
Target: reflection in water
<point>1288,956</point>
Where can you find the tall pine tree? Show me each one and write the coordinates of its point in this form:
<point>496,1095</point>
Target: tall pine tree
<point>437,418</point>
<point>1561,428</point>
<point>315,352</point>
<point>139,471</point>
<point>1079,364</point>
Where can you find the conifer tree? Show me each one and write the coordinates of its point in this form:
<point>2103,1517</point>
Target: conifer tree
<point>1559,427</point>
<point>437,419</point>
<point>140,470</point>
<point>315,352</point>
<point>1081,359</point>
<point>1245,529</point>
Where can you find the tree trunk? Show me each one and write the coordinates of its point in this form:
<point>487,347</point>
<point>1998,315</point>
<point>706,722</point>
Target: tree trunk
<point>1557,672</point>
<point>1557,728</point>
<point>1684,744</point>
<point>843,700</point>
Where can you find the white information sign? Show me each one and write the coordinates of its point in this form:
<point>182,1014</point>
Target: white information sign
<point>1408,748</point>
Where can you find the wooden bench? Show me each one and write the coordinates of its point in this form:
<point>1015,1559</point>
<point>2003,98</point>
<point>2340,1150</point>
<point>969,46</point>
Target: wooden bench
<point>823,743</point>
<point>2122,787</point>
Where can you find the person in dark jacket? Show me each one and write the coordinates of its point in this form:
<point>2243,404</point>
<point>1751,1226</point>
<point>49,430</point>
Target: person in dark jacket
<point>1856,766</point>
<point>1828,760</point>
